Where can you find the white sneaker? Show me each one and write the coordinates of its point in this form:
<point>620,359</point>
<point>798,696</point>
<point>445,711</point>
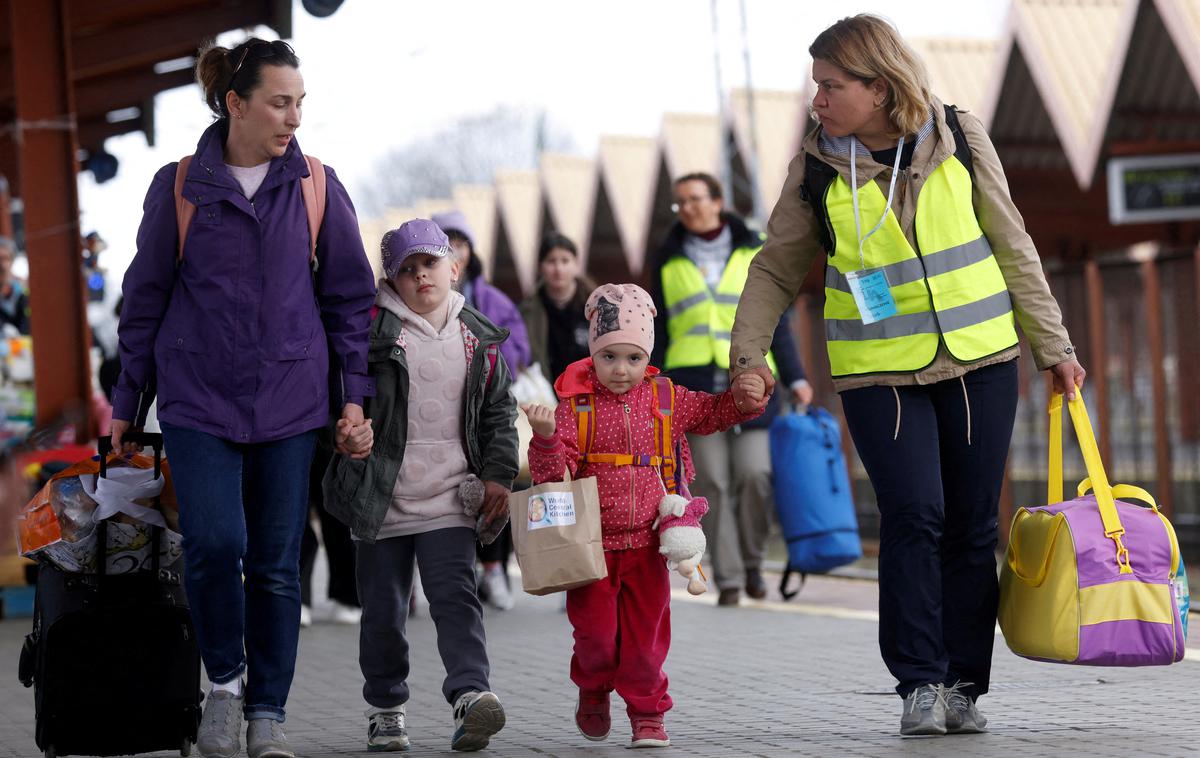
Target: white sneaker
<point>305,616</point>
<point>341,613</point>
<point>386,730</point>
<point>477,716</point>
<point>498,594</point>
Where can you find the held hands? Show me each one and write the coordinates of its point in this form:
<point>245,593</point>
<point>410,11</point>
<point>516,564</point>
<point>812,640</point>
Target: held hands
<point>353,435</point>
<point>1067,376</point>
<point>541,418</point>
<point>752,389</point>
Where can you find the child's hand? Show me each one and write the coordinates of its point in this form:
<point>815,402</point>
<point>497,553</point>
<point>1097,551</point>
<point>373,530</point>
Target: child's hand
<point>541,418</point>
<point>495,501</point>
<point>749,387</point>
<point>752,389</point>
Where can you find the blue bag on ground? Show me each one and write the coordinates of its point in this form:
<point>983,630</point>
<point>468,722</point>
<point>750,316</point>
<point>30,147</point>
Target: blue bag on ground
<point>812,492</point>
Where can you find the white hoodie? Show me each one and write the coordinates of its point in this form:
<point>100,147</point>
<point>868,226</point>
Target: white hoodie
<point>425,496</point>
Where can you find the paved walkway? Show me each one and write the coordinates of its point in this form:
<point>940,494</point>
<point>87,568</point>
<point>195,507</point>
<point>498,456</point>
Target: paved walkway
<point>766,679</point>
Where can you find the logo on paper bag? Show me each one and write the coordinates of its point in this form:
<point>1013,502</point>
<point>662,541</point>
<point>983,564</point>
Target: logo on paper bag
<point>551,509</point>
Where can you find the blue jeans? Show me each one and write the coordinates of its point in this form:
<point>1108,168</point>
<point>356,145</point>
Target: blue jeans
<point>242,510</point>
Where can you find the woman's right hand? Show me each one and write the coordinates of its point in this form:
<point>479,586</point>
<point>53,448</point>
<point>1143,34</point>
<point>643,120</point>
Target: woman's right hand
<point>120,427</point>
<point>541,418</point>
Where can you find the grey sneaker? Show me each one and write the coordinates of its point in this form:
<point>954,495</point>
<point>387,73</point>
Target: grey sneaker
<point>477,716</point>
<point>265,739</point>
<point>924,711</point>
<point>220,726</point>
<point>386,730</point>
<point>962,717</point>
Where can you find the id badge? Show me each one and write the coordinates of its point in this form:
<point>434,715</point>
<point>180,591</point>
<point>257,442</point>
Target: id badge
<point>872,295</point>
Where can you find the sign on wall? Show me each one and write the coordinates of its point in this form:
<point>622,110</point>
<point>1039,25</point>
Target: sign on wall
<point>1143,189</point>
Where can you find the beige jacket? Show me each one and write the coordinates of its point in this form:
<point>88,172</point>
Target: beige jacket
<point>793,246</point>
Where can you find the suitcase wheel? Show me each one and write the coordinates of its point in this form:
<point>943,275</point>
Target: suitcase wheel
<point>51,752</point>
<point>185,749</point>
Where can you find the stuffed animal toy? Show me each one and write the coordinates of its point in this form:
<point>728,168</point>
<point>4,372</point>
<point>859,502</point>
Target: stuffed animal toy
<point>681,539</point>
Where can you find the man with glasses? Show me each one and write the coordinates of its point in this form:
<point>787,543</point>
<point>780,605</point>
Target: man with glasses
<point>697,280</point>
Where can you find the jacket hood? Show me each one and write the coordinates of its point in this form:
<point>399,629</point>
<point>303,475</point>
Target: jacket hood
<point>388,299</point>
<point>741,236</point>
<point>933,147</point>
<point>580,378</point>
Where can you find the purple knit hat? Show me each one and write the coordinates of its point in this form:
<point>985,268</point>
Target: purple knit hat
<point>419,235</point>
<point>455,221</point>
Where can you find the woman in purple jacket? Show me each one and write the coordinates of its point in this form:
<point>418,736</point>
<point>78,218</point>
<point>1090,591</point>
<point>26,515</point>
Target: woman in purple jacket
<point>236,337</point>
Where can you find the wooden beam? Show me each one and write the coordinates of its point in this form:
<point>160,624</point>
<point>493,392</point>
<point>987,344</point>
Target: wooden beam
<point>1154,329</point>
<point>46,152</point>
<point>96,97</point>
<point>159,38</point>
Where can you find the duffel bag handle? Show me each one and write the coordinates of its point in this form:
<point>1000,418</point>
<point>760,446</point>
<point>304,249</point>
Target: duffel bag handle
<point>1113,529</point>
<point>1121,491</point>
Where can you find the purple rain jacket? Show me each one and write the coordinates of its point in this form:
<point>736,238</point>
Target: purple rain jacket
<point>494,304</point>
<point>235,341</point>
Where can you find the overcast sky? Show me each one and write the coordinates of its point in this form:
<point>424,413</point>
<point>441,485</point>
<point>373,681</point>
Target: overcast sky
<point>380,73</point>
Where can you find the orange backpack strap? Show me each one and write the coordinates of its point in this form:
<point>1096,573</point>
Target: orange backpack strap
<point>585,421</point>
<point>664,392</point>
<point>184,210</point>
<point>312,190</point>
<point>663,457</point>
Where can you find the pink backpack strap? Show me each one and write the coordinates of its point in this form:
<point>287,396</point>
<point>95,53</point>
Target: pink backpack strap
<point>312,188</point>
<point>184,210</point>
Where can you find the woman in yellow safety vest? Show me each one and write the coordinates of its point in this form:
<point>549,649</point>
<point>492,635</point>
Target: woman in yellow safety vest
<point>928,266</point>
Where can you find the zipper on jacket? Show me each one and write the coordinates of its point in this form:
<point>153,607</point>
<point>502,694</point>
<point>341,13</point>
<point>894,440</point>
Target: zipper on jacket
<point>632,479</point>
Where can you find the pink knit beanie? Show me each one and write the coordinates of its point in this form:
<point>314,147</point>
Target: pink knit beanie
<point>620,314</point>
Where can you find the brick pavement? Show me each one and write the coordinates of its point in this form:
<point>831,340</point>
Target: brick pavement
<point>767,679</point>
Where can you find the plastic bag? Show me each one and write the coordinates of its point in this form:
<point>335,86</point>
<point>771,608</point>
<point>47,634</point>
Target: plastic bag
<point>530,386</point>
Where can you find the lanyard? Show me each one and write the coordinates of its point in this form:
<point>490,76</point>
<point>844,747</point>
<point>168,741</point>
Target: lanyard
<point>854,195</point>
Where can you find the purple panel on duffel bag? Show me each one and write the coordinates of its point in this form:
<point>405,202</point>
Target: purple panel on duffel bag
<point>1145,538</point>
<point>1130,643</point>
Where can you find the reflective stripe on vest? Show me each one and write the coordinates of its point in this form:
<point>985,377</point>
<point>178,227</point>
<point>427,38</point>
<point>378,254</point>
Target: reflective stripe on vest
<point>953,292</point>
<point>700,321</point>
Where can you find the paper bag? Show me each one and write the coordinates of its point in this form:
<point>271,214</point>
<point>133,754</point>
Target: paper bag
<point>556,532</point>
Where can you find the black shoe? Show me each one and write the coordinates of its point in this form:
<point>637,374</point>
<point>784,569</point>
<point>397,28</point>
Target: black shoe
<point>729,596</point>
<point>755,586</point>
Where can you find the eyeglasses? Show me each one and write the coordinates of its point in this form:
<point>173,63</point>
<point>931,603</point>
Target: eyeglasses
<point>684,202</point>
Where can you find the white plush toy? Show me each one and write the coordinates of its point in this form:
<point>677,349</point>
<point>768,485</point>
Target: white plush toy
<point>681,539</point>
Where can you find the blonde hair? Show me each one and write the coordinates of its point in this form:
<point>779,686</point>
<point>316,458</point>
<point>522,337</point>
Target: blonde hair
<point>868,47</point>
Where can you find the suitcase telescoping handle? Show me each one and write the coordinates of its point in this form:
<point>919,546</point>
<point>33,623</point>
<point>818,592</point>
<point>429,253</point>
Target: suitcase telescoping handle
<point>145,439</point>
<point>104,447</point>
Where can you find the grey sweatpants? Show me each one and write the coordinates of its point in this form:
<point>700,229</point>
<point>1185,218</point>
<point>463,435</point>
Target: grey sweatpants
<point>446,559</point>
<point>733,470</point>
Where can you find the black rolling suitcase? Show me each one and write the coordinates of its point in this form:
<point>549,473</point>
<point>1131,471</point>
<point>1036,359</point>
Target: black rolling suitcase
<point>113,658</point>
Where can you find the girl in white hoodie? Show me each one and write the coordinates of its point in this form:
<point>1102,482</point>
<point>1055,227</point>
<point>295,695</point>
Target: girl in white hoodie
<point>441,412</point>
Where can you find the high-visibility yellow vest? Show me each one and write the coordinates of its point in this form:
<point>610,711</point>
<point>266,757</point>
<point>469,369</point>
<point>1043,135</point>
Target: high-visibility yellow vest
<point>699,320</point>
<point>952,291</point>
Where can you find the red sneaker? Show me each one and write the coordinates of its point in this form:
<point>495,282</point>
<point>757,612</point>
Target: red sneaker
<point>592,715</point>
<point>648,731</point>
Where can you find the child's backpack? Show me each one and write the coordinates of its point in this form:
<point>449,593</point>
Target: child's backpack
<point>312,189</point>
<point>664,458</point>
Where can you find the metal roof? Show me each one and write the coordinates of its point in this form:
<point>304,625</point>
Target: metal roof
<point>569,183</point>
<point>1070,82</point>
